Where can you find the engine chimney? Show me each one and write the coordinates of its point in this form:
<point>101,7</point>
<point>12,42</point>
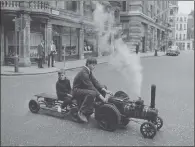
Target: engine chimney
<point>153,92</point>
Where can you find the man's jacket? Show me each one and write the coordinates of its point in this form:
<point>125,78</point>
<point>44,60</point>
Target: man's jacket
<point>85,80</point>
<point>40,51</point>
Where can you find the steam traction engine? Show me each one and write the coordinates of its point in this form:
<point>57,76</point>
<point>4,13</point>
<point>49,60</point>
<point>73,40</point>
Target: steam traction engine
<point>119,110</point>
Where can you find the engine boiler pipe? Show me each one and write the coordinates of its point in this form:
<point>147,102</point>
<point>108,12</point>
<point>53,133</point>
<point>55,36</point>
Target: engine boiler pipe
<point>153,92</point>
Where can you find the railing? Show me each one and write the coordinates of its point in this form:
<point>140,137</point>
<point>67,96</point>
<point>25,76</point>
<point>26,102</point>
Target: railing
<point>11,5</point>
<point>44,7</point>
<point>36,6</point>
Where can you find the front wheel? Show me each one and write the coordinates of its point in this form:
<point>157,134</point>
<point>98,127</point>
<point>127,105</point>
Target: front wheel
<point>158,122</point>
<point>148,130</point>
<point>34,106</point>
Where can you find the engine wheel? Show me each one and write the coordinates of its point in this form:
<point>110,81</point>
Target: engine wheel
<point>34,106</point>
<point>158,122</point>
<point>148,130</point>
<point>108,117</point>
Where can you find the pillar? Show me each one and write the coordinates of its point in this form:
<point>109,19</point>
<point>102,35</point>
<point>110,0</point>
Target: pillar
<point>2,44</point>
<point>155,38</point>
<point>24,41</point>
<point>97,44</point>
<point>81,42</point>
<point>48,36</point>
<point>81,8</point>
<point>135,30</point>
<point>147,38</point>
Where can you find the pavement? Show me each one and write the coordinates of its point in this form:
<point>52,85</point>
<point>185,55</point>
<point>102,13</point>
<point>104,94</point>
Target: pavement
<point>34,70</point>
<point>174,80</point>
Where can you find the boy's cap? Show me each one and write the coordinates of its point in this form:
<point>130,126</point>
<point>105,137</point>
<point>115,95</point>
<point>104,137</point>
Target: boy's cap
<point>61,71</point>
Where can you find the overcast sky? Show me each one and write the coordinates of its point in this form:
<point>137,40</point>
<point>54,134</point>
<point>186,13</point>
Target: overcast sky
<point>185,6</point>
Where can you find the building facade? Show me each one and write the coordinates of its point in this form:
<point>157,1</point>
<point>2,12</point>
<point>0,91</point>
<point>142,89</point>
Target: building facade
<point>145,22</point>
<point>68,23</point>
<point>190,28</point>
<point>172,20</point>
<point>181,38</point>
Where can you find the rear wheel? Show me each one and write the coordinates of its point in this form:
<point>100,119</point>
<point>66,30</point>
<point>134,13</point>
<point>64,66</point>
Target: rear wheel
<point>74,114</point>
<point>34,106</point>
<point>108,117</point>
<point>124,121</point>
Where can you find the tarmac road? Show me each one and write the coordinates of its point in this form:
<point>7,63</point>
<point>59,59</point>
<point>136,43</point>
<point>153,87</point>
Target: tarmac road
<point>173,76</point>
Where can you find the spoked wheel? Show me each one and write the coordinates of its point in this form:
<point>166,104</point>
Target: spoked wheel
<point>124,121</point>
<point>74,114</point>
<point>158,122</point>
<point>108,117</point>
<point>148,130</point>
<point>34,106</point>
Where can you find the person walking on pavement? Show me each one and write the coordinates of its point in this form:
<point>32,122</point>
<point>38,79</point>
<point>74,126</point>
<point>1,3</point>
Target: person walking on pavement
<point>137,48</point>
<point>52,51</point>
<point>40,54</point>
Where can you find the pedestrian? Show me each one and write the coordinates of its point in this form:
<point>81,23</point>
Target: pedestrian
<point>40,54</point>
<point>52,51</point>
<point>137,48</point>
<point>86,88</point>
<point>63,89</point>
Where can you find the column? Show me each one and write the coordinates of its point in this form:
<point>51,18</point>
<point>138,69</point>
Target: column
<point>81,8</point>
<point>24,41</point>
<point>81,42</point>
<point>155,38</point>
<point>48,36</point>
<point>97,44</point>
<point>147,38</point>
<point>135,30</point>
<point>2,44</point>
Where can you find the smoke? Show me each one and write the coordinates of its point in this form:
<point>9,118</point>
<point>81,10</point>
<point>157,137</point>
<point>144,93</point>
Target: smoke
<point>122,60</point>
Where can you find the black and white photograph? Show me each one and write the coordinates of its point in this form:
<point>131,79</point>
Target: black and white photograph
<point>97,73</point>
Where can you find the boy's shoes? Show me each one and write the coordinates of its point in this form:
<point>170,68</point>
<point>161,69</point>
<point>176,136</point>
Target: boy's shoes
<point>59,109</point>
<point>82,117</point>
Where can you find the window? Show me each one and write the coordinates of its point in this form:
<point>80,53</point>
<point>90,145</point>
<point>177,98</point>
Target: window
<point>171,20</point>
<point>71,5</point>
<point>177,27</point>
<point>171,12</point>
<point>176,36</point>
<point>184,26</point>
<point>184,18</point>
<point>177,18</point>
<point>181,19</point>
<point>184,36</point>
<point>151,10</point>
<point>124,6</point>
<point>180,26</point>
<point>180,37</point>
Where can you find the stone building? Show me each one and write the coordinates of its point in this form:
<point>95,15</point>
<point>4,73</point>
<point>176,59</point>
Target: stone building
<point>68,23</point>
<point>172,20</point>
<point>190,28</point>
<point>145,22</point>
<point>181,37</point>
